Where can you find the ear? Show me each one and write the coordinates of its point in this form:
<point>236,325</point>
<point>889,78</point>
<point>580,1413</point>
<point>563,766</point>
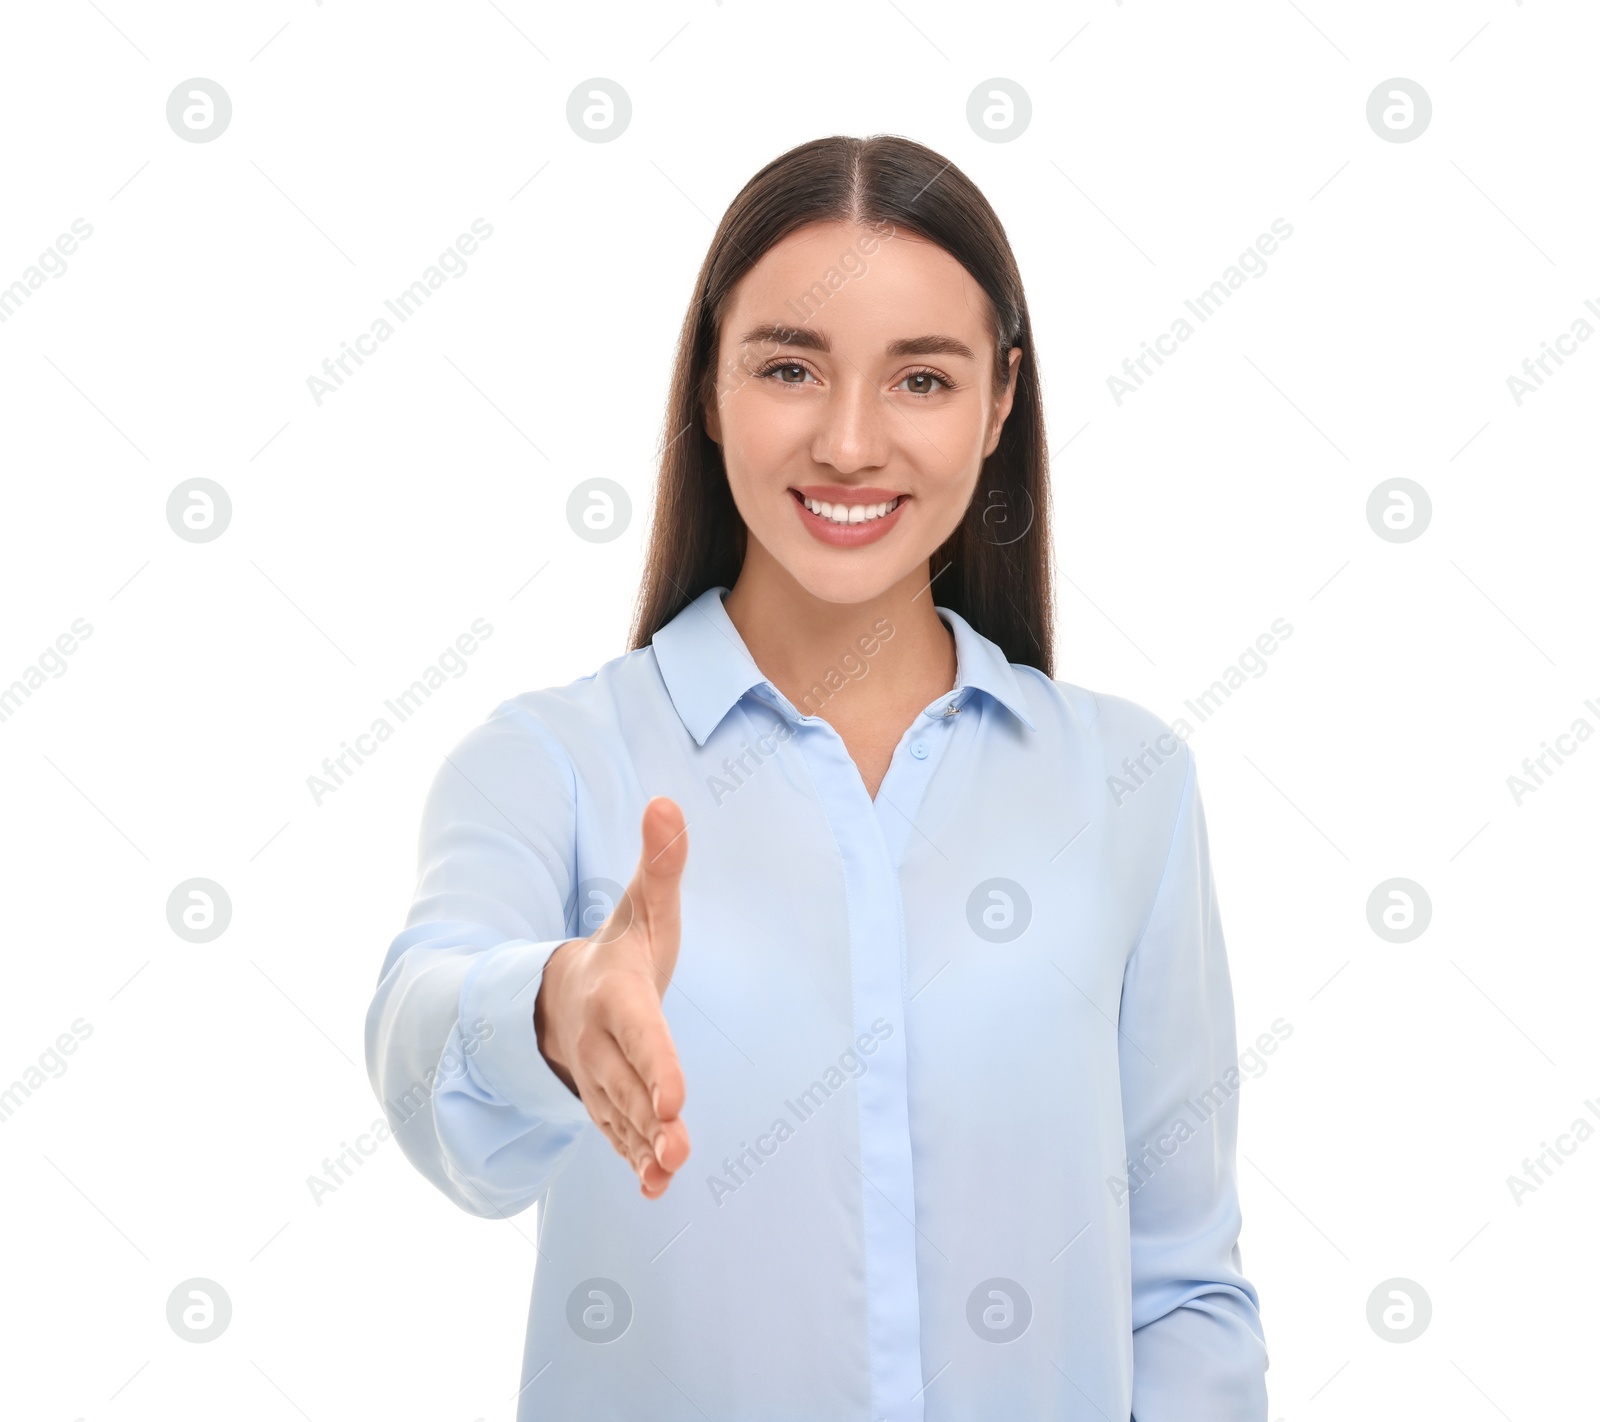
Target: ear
<point>1002,407</point>
<point>713,418</point>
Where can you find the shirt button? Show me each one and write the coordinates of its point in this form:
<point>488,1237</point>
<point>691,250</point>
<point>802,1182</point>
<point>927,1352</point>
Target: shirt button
<point>919,750</point>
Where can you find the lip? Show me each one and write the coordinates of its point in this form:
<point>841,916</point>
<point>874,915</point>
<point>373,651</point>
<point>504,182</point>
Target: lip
<point>846,535</point>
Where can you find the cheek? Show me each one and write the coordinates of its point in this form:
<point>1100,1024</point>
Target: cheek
<point>758,451</point>
<point>946,449</point>
<point>944,508</point>
<point>761,434</point>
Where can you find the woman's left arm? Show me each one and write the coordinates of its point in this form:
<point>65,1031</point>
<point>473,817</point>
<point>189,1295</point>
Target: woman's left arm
<point>1198,1345</point>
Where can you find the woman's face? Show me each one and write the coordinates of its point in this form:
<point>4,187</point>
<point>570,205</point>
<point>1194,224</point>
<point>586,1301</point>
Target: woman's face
<point>855,371</point>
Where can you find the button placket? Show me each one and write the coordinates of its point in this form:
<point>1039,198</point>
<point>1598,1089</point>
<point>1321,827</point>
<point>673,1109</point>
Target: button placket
<point>869,858</point>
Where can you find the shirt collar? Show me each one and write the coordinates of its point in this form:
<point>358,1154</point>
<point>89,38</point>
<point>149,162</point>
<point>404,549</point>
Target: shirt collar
<point>707,667</point>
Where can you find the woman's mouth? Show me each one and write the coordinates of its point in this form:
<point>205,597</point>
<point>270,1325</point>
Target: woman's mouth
<point>849,520</point>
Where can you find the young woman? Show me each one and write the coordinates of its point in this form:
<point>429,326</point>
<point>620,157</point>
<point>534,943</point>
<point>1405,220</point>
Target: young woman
<point>921,941</point>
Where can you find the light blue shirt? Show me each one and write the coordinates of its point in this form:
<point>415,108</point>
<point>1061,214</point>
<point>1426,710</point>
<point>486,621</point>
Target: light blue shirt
<point>962,1083</point>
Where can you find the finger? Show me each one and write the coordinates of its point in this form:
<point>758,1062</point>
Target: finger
<point>666,1144</point>
<point>607,1129</point>
<point>618,1140</point>
<point>672,1146</point>
<point>663,853</point>
<point>620,1080</point>
<point>628,1141</point>
<point>650,1087</point>
<point>653,1177</point>
<point>639,1029</point>
<point>624,1139</point>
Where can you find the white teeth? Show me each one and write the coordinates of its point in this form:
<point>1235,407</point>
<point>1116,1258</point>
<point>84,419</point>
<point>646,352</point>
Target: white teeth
<point>851,513</point>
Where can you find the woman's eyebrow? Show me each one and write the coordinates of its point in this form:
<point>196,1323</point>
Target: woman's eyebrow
<point>772,334</point>
<point>776,335</point>
<point>931,345</point>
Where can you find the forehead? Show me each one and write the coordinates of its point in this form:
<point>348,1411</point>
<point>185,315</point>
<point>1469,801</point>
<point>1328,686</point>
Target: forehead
<point>841,275</point>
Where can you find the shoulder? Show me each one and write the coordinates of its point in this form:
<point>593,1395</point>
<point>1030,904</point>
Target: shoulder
<point>568,719</point>
<point>544,746</point>
<point>1096,719</point>
<point>586,705</point>
<point>1120,753</point>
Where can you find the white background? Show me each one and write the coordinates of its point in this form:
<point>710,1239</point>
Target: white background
<point>368,532</point>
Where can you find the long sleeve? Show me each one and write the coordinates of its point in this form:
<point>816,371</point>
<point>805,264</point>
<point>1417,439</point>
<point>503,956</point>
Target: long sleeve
<point>1198,1345</point>
<point>450,1043</point>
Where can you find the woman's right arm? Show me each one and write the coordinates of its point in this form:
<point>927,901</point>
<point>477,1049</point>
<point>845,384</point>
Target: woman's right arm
<point>450,1038</point>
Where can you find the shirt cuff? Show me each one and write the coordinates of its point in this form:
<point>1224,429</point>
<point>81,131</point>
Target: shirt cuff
<point>498,992</point>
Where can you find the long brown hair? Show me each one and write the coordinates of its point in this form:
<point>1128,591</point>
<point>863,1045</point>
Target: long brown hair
<point>996,577</point>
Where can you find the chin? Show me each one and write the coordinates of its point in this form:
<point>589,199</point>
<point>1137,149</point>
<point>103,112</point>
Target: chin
<point>850,580</point>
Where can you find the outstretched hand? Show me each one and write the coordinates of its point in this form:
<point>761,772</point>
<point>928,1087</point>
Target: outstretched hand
<point>598,1017</point>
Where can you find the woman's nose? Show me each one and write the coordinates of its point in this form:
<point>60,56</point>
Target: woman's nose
<point>853,430</point>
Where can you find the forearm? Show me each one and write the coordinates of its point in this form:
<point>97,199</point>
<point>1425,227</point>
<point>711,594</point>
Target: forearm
<point>453,1054</point>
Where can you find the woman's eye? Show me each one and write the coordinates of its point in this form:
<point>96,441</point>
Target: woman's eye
<point>923,382</point>
<point>787,366</point>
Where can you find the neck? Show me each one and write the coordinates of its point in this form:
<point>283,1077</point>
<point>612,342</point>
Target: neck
<point>817,652</point>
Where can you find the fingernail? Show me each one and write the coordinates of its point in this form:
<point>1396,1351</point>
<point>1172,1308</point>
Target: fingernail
<point>655,1099</point>
<point>661,1150</point>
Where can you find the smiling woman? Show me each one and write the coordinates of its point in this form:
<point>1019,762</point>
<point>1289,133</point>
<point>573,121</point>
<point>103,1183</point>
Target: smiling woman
<point>925,861</point>
<point>917,360</point>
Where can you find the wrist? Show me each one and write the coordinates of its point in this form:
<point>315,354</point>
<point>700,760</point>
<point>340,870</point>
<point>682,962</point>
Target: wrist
<point>548,1015</point>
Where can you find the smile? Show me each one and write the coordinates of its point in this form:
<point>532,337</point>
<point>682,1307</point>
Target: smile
<point>842,523</point>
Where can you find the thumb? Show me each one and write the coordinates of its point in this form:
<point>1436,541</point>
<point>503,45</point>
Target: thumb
<point>662,855</point>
